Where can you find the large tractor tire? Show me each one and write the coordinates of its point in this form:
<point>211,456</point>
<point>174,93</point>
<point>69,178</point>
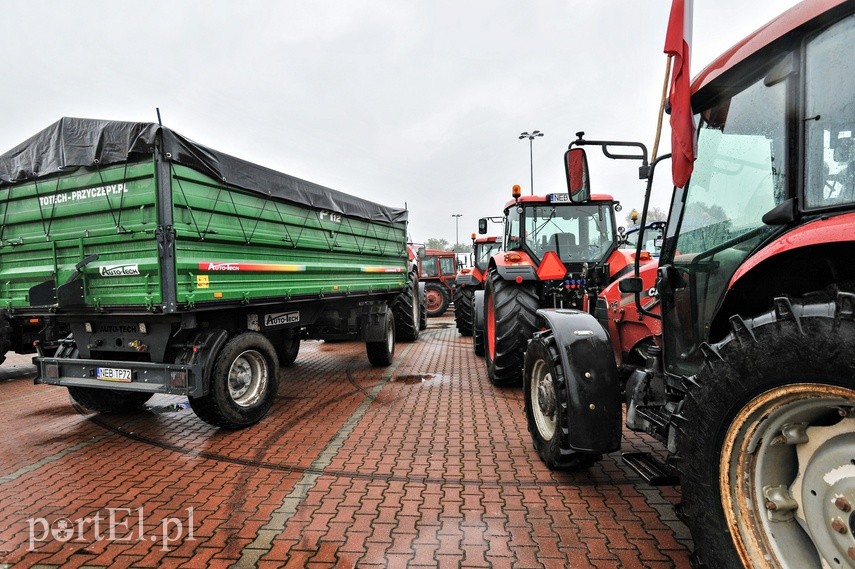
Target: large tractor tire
<point>463,309</point>
<point>108,400</point>
<point>545,392</point>
<point>406,310</point>
<point>766,441</point>
<point>244,382</point>
<point>5,335</point>
<point>510,322</point>
<point>437,299</point>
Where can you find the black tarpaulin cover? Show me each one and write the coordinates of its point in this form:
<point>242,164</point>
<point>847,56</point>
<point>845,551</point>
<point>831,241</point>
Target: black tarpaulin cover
<point>71,143</point>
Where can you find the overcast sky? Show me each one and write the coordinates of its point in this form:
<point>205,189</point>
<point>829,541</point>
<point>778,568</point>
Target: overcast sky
<point>399,102</point>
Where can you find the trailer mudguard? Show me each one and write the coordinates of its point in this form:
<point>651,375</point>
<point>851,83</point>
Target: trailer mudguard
<point>593,390</point>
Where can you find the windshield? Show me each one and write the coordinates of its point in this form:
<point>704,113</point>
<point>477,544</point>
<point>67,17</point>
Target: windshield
<point>739,175</point>
<point>653,237</point>
<point>483,252</point>
<point>577,233</point>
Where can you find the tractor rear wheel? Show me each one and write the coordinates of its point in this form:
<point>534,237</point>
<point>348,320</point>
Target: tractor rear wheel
<point>510,322</point>
<point>463,309</point>
<point>422,307</point>
<point>545,392</point>
<point>5,335</point>
<point>766,440</point>
<point>437,299</point>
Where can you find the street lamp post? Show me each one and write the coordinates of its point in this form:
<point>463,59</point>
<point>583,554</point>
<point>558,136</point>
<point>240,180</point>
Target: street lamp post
<point>456,217</point>
<point>531,136</point>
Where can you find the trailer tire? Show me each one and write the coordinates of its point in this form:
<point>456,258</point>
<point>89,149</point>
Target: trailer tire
<point>765,440</point>
<point>463,310</point>
<point>510,312</point>
<point>381,353</point>
<point>437,299</point>
<point>244,382</point>
<point>407,311</point>
<point>287,350</point>
<point>5,335</point>
<point>112,401</point>
<point>545,392</point>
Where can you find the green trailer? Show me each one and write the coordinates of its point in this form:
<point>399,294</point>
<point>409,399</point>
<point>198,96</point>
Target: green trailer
<point>139,262</point>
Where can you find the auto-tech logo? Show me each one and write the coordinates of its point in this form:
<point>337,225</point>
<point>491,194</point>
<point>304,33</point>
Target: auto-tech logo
<point>119,270</point>
<point>281,318</point>
<point>222,267</point>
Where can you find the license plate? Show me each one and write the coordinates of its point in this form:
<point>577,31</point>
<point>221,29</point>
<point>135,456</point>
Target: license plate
<point>113,374</point>
<point>559,198</point>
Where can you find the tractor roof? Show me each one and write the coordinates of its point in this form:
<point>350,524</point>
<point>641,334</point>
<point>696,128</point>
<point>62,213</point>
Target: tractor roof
<point>773,32</point>
<point>492,239</point>
<point>595,198</point>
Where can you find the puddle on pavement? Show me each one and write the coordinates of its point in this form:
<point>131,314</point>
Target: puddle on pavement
<point>417,378</point>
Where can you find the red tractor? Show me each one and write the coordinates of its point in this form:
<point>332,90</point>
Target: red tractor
<point>753,391</point>
<point>557,254</point>
<point>438,269</point>
<point>470,279</point>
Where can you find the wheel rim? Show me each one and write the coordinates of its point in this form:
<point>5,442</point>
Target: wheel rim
<point>491,327</point>
<point>247,378</point>
<point>434,299</point>
<point>787,475</point>
<point>543,400</point>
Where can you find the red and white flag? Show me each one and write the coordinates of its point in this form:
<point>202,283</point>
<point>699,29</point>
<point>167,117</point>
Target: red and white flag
<point>678,43</point>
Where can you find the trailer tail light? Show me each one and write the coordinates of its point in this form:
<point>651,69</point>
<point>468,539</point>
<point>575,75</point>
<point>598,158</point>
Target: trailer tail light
<point>52,371</point>
<point>35,320</point>
<point>178,378</point>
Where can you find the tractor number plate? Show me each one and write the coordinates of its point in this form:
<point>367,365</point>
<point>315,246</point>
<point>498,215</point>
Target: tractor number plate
<point>113,374</point>
<point>559,198</point>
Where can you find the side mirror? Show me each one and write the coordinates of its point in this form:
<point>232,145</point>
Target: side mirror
<point>576,168</point>
<point>482,225</point>
<point>631,284</point>
<point>420,252</point>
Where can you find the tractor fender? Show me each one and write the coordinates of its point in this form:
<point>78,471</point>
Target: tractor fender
<point>593,386</point>
<point>522,265</point>
<point>467,280</point>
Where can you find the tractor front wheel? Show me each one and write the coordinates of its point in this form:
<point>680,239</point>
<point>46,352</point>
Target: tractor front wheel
<point>766,461</point>
<point>545,392</point>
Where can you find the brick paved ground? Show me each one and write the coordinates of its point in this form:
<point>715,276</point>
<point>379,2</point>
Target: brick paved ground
<point>422,464</point>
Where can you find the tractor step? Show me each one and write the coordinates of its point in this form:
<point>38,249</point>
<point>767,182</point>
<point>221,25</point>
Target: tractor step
<point>654,471</point>
<point>654,416</point>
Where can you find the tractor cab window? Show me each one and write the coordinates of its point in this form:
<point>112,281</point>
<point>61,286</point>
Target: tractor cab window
<point>484,251</point>
<point>576,233</point>
<point>830,134</point>
<point>429,267</point>
<point>739,175</point>
<point>446,266</point>
<point>512,229</point>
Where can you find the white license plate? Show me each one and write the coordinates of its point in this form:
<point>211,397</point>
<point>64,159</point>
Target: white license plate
<point>113,374</point>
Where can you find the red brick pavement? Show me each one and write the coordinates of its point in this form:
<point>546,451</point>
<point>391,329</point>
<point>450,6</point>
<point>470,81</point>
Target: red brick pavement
<point>424,464</point>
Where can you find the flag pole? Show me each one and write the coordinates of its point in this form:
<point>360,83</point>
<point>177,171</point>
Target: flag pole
<point>662,107</point>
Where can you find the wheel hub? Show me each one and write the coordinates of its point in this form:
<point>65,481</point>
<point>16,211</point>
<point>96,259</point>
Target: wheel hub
<point>546,397</point>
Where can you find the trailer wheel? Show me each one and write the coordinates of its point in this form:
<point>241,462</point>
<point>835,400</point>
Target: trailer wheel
<point>381,353</point>
<point>510,322</point>
<point>437,299</point>
<point>287,350</point>
<point>405,308</point>
<point>244,382</point>
<point>422,307</point>
<point>545,392</point>
<point>5,335</point>
<point>766,460</point>
<point>463,310</point>
<point>108,400</point>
